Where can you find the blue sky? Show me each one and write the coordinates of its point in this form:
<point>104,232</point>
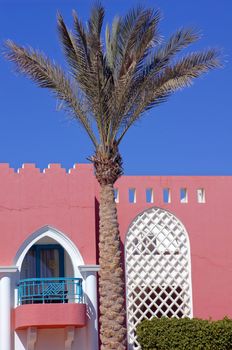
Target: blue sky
<point>188,135</point>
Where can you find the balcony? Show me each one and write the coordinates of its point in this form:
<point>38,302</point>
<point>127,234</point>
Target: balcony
<point>50,290</point>
<point>49,303</point>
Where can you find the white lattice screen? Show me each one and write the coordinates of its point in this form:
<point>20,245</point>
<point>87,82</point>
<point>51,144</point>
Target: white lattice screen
<point>158,270</point>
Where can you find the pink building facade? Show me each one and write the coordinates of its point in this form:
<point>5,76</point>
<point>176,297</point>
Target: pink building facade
<point>176,238</point>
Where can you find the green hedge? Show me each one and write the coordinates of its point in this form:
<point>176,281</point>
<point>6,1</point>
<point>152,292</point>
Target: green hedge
<point>185,334</point>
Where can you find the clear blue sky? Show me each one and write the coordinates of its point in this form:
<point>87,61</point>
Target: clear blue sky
<point>190,134</point>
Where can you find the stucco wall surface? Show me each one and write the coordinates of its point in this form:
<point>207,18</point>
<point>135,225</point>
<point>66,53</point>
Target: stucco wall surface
<point>67,201</point>
<point>31,199</point>
<point>209,226</point>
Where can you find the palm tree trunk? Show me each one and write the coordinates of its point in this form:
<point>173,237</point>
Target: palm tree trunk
<point>111,275</point>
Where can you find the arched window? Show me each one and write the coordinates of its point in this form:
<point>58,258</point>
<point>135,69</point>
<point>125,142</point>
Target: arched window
<point>48,263</point>
<point>46,260</point>
<point>158,269</point>
<point>49,235</point>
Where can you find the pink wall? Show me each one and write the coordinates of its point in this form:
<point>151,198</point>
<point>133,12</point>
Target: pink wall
<point>49,315</point>
<point>31,199</point>
<point>209,226</point>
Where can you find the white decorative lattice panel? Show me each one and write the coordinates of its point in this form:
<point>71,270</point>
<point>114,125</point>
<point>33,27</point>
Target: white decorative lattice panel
<point>158,269</point>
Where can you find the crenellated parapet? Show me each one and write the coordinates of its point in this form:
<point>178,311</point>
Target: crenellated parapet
<point>56,168</point>
<point>31,198</point>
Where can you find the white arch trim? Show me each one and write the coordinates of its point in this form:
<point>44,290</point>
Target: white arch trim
<point>59,237</point>
<point>163,210</point>
<point>158,269</point>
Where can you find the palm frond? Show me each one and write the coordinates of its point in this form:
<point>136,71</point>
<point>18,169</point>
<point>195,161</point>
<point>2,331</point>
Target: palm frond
<point>178,41</point>
<point>118,81</point>
<point>76,52</point>
<point>164,55</point>
<point>99,78</point>
<point>112,45</point>
<point>138,32</point>
<point>80,37</point>
<point>72,52</point>
<point>197,63</point>
<point>156,62</point>
<point>172,78</point>
<point>83,51</point>
<point>46,74</point>
<point>96,19</point>
<point>95,23</point>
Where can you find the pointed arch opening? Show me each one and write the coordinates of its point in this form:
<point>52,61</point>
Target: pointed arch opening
<point>50,235</point>
<point>158,269</point>
<point>48,264</point>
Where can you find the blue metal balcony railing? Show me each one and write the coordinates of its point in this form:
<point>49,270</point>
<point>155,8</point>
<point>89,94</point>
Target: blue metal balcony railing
<point>50,290</point>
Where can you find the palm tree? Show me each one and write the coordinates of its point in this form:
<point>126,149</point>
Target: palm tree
<point>110,85</point>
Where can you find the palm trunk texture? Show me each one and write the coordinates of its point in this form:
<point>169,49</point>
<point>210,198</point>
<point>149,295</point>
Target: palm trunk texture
<point>111,275</point>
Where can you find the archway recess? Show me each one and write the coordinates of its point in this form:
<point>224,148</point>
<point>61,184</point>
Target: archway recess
<point>60,238</point>
<point>158,269</point>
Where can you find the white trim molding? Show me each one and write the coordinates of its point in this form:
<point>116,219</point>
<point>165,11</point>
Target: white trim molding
<point>58,236</point>
<point>8,269</point>
<point>5,312</point>
<point>89,268</point>
<point>89,273</point>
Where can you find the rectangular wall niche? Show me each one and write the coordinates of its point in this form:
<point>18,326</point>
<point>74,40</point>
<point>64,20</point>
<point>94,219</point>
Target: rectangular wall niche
<point>201,195</point>
<point>132,195</point>
<point>183,195</point>
<point>166,195</point>
<point>149,195</point>
<point>116,195</point>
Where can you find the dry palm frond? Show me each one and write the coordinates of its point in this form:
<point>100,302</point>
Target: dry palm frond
<point>74,56</point>
<point>169,80</point>
<point>112,44</point>
<point>48,75</point>
<point>137,33</point>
